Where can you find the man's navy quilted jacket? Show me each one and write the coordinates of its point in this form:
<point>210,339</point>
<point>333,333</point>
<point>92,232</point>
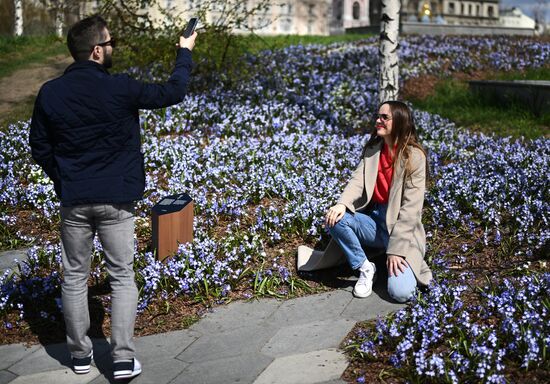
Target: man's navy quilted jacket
<point>85,130</point>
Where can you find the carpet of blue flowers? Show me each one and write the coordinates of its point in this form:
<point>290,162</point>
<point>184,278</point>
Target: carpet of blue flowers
<point>264,157</point>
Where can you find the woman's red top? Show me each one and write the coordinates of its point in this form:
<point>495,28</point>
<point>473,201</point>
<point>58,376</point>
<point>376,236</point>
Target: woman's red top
<point>383,181</point>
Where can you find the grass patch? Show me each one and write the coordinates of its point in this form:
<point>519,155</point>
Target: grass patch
<point>452,99</point>
<point>529,74</point>
<point>19,52</point>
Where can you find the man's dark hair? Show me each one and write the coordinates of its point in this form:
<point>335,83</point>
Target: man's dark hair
<point>84,35</point>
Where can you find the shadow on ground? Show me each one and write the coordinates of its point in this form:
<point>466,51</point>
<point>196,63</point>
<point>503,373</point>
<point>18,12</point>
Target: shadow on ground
<point>343,277</point>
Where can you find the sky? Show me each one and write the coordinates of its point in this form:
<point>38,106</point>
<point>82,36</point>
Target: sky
<point>526,6</point>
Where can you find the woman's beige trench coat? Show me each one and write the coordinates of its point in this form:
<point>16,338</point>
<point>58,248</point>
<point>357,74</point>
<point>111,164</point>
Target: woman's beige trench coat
<point>403,217</point>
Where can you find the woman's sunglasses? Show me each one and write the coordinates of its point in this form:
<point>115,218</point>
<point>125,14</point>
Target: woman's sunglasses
<point>382,116</point>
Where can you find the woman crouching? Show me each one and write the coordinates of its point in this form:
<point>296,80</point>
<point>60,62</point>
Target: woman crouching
<point>381,206</point>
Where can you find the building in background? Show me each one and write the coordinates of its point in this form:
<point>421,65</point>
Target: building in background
<point>457,17</point>
<point>514,18</point>
<point>326,17</point>
<point>294,17</point>
<point>349,14</point>
<point>452,12</point>
<point>309,17</point>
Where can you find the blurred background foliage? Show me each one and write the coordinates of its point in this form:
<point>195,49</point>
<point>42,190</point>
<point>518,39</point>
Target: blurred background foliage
<point>149,37</point>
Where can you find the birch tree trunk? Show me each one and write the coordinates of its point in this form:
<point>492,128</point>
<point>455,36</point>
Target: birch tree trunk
<point>59,18</point>
<point>18,22</point>
<point>389,60</point>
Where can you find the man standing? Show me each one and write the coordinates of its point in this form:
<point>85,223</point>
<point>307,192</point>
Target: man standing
<point>85,134</point>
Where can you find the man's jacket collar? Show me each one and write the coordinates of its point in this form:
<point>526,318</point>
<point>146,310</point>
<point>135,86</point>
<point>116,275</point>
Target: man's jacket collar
<point>85,64</point>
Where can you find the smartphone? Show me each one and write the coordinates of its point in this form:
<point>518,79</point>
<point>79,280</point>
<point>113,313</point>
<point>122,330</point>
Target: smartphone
<point>190,27</point>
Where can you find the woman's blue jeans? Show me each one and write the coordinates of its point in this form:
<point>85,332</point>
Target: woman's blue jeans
<point>358,230</point>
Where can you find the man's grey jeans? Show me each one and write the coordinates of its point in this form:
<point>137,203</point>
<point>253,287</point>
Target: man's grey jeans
<point>114,224</point>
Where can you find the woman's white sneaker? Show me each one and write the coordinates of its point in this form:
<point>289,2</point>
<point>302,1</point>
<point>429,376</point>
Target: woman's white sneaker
<point>363,287</point>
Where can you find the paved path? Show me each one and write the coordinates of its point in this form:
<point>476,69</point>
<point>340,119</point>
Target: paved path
<point>259,341</point>
<point>8,259</point>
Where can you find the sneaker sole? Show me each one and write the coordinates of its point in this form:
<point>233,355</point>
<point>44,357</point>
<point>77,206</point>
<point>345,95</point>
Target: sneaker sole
<point>121,375</point>
<point>362,296</point>
<point>82,370</point>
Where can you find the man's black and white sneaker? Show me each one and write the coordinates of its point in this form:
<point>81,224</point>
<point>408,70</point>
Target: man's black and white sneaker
<point>82,365</point>
<point>126,369</point>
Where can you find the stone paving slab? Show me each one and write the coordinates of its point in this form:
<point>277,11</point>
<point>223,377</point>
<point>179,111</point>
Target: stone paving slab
<point>151,349</point>
<point>11,354</point>
<point>7,258</point>
<point>62,376</point>
<point>308,337</point>
<point>242,369</point>
<point>51,358</point>
<point>161,372</point>
<point>235,315</point>
<point>308,368</point>
<point>311,308</point>
<point>244,340</point>
<point>6,377</point>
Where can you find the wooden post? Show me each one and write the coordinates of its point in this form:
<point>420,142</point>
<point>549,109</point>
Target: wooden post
<point>172,219</point>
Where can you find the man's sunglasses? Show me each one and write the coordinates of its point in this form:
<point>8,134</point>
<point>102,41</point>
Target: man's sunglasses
<point>111,42</point>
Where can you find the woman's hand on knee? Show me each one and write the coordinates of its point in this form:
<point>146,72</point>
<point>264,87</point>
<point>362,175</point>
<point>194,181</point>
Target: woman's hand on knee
<point>396,265</point>
<point>334,214</point>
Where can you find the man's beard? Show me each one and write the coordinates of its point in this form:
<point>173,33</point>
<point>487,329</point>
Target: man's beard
<point>108,60</point>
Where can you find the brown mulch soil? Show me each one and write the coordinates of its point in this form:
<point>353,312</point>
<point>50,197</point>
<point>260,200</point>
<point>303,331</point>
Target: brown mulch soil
<point>421,87</point>
<point>29,224</point>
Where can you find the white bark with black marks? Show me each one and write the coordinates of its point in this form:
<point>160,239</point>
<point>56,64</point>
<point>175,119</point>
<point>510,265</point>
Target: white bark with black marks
<point>59,21</point>
<point>389,60</point>
<point>59,18</point>
<point>18,22</point>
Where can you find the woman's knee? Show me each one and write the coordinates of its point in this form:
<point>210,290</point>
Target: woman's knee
<point>401,296</point>
<point>401,291</point>
<point>341,224</point>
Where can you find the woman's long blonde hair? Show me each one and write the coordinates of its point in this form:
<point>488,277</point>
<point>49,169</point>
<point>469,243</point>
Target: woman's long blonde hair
<point>403,134</point>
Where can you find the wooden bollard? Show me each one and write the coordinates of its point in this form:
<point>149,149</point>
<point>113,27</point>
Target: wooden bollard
<point>172,219</point>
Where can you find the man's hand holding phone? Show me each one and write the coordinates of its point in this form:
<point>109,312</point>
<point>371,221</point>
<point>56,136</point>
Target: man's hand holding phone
<point>188,35</point>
